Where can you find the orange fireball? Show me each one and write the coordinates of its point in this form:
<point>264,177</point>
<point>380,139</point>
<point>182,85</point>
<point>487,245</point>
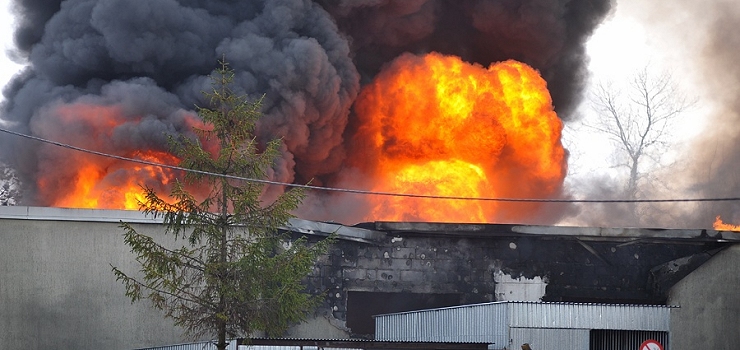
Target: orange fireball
<point>435,125</point>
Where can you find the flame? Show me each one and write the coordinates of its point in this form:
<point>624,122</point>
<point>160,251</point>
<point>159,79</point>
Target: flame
<point>78,180</point>
<point>719,225</point>
<point>114,185</point>
<point>435,125</point>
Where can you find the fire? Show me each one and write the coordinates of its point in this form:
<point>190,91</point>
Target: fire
<point>721,226</point>
<point>435,125</point>
<point>446,178</point>
<point>113,184</point>
<point>78,180</point>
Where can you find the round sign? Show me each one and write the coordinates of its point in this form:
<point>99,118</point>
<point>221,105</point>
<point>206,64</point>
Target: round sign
<point>651,344</point>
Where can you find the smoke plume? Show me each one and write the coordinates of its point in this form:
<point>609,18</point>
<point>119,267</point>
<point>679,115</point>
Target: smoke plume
<point>716,155</point>
<point>146,65</point>
<point>701,39</point>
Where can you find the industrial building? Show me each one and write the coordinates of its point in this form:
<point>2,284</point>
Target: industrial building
<point>58,292</point>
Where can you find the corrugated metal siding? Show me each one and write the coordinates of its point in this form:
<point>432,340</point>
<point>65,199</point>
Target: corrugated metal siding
<point>544,338</point>
<point>484,323</point>
<point>590,316</point>
<point>490,322</point>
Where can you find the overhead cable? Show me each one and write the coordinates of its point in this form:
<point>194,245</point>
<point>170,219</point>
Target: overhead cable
<point>366,192</point>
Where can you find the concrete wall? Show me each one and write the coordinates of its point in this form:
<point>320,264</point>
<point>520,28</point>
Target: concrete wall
<point>57,290</point>
<point>709,300</point>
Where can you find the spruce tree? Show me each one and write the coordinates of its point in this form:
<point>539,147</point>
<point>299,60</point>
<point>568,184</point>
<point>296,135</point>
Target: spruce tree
<point>231,272</point>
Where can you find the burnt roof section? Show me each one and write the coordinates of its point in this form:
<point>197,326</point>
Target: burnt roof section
<point>582,233</point>
<point>578,264</point>
<point>374,232</point>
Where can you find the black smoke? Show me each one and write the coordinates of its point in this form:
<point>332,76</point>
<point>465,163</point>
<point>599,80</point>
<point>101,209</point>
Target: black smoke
<point>309,59</point>
<point>546,34</point>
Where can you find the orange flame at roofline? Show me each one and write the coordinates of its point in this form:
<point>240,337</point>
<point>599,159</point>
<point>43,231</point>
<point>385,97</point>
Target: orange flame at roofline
<point>114,185</point>
<point>435,125</point>
<point>78,180</point>
<point>721,226</point>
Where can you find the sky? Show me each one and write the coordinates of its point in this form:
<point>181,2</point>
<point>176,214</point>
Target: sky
<point>624,44</point>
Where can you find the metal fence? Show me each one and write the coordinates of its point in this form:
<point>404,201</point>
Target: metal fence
<point>604,339</point>
<point>196,346</point>
<point>233,346</point>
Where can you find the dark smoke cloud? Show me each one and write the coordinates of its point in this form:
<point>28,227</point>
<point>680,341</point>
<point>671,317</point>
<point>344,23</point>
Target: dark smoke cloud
<point>308,58</point>
<point>163,51</point>
<point>546,34</point>
<point>32,15</point>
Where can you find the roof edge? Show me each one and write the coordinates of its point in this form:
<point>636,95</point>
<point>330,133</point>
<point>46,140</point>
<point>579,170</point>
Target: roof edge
<point>301,226</point>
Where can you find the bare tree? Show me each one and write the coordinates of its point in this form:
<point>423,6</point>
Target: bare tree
<point>639,120</point>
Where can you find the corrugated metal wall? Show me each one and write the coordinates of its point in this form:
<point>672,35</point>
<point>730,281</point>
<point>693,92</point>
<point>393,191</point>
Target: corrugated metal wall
<point>497,323</point>
<point>548,338</point>
<point>589,316</point>
<point>485,323</point>
<point>583,339</point>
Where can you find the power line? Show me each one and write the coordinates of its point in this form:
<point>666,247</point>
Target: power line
<point>365,192</point>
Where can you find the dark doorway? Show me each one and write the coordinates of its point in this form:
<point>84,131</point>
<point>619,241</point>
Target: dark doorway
<point>361,306</point>
<point>607,339</point>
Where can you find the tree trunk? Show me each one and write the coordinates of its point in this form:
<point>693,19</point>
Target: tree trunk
<point>223,260</point>
<point>632,184</point>
<point>221,345</point>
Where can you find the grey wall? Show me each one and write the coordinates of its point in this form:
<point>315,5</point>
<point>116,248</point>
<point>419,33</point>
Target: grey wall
<point>57,290</point>
<point>709,300</point>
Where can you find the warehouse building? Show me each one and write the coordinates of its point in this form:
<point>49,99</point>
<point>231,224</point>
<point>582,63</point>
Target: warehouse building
<point>57,290</point>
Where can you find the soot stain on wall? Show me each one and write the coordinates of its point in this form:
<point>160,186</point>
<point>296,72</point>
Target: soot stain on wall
<point>356,278</point>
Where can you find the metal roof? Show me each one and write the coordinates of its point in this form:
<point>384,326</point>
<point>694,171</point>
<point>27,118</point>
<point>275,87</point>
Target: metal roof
<point>134,216</point>
<point>581,233</point>
<point>381,230</point>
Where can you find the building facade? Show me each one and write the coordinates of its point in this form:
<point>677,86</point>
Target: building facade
<point>58,291</point>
